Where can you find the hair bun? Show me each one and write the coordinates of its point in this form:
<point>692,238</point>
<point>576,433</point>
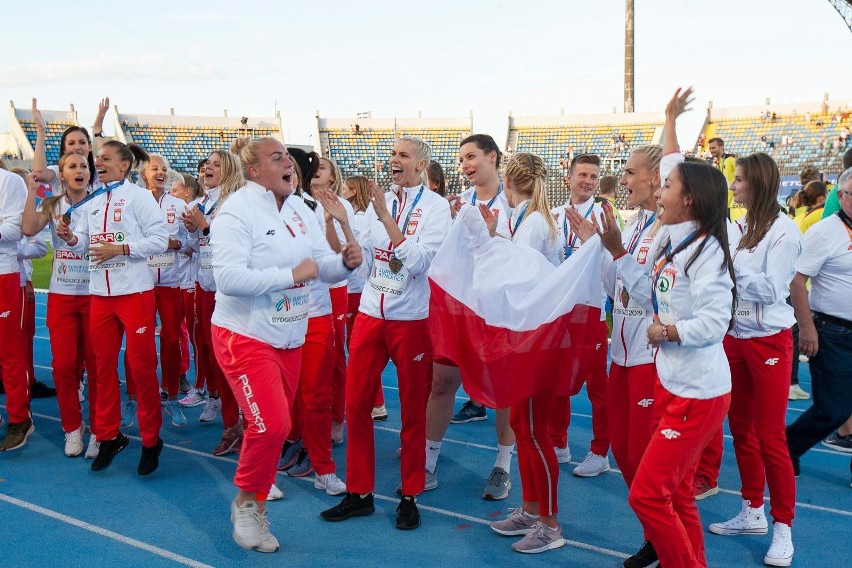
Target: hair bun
<point>240,143</point>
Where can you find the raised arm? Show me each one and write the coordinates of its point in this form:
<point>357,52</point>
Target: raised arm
<point>678,105</point>
<point>40,170</point>
<point>98,126</point>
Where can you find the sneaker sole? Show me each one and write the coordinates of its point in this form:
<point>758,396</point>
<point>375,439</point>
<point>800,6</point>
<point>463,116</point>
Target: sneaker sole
<point>592,474</point>
<point>477,419</point>
<point>112,457</point>
<point>406,527</point>
<point>709,493</point>
<point>555,544</point>
<point>715,529</point>
<point>227,450</point>
<point>357,513</point>
<point>255,548</point>
<point>517,532</point>
<point>837,448</point>
<point>300,473</point>
<point>322,487</point>
<point>193,405</point>
<point>777,561</point>
<point>24,441</point>
<point>497,496</point>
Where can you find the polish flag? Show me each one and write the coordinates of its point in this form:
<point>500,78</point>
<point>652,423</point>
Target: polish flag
<point>514,324</point>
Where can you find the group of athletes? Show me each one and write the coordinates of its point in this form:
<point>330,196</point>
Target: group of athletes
<point>295,287</point>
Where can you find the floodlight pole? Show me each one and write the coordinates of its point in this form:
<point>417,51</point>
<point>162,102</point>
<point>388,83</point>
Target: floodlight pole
<point>629,77</point>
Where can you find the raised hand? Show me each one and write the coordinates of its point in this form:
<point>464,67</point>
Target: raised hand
<point>103,107</point>
<point>37,118</point>
<point>455,204</point>
<point>679,102</point>
<point>352,255</point>
<point>379,204</point>
<point>331,204</point>
<point>490,217</point>
<point>609,232</point>
<point>583,228</point>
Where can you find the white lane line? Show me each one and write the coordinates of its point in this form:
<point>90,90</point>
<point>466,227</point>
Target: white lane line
<point>798,505</point>
<point>168,555</point>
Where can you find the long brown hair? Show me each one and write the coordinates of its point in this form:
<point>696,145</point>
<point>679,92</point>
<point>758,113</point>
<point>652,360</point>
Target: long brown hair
<point>48,204</point>
<point>760,172</point>
<point>361,186</point>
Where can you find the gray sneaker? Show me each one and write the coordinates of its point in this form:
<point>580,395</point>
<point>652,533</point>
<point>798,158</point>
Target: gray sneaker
<point>541,538</point>
<point>431,482</point>
<point>517,523</point>
<point>498,485</point>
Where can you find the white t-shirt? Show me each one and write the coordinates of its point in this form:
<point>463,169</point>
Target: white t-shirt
<point>534,232</point>
<point>827,260</point>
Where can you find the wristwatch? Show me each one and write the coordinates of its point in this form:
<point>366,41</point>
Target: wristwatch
<point>98,134</point>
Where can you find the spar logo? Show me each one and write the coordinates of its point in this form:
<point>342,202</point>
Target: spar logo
<point>666,281</point>
<point>107,238</point>
<point>67,255</point>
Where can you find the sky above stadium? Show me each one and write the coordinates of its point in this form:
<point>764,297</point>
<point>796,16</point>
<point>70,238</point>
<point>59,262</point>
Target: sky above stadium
<point>443,58</point>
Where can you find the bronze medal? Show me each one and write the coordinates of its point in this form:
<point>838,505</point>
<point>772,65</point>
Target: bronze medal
<point>66,218</point>
<point>625,298</point>
<point>395,265</point>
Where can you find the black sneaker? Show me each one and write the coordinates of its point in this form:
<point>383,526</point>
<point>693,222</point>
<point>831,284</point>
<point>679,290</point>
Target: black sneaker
<point>470,412</point>
<point>840,443</point>
<point>407,515</point>
<point>108,450</point>
<point>353,505</point>
<point>41,390</point>
<point>796,468</point>
<point>646,557</point>
<point>164,395</point>
<point>150,459</point>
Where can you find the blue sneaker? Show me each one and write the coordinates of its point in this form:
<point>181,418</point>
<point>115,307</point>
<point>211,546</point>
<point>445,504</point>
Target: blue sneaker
<point>289,454</point>
<point>470,412</point>
<point>173,409</point>
<point>302,467</point>
<point>128,413</point>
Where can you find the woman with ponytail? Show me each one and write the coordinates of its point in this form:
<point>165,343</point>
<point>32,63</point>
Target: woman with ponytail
<point>119,227</point>
<point>531,224</point>
<point>68,302</point>
<point>764,260</point>
<point>222,177</point>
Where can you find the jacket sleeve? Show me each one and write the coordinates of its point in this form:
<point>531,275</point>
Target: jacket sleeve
<point>416,253</point>
<point>774,284</point>
<point>13,195</point>
<point>155,236</point>
<point>331,267</point>
<point>710,287</point>
<point>32,247</point>
<point>232,244</point>
<point>365,239</point>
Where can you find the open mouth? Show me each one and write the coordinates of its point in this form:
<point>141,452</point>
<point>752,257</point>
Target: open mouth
<point>79,178</point>
<point>470,174</point>
<point>288,177</point>
<point>396,171</point>
<point>101,171</point>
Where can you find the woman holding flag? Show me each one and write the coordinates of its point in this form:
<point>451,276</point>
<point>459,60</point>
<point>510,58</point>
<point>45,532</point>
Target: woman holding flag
<point>120,226</point>
<point>531,224</point>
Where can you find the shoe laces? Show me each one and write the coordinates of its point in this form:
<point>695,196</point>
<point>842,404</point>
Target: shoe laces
<point>497,477</point>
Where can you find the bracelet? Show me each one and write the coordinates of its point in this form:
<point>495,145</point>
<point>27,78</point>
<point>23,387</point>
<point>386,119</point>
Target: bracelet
<point>125,250</point>
<point>666,333</point>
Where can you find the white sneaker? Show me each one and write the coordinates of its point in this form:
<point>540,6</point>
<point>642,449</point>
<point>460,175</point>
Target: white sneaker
<point>563,455</point>
<point>93,449</point>
<point>797,393</point>
<point>193,398</point>
<point>330,483</point>
<point>780,552</point>
<point>379,413</point>
<point>274,494</point>
<point>74,441</point>
<point>592,466</point>
<point>749,521</point>
<point>336,433</point>
<point>251,528</point>
<point>211,408</point>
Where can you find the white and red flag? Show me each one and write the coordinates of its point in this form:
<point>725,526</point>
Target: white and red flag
<point>514,324</point>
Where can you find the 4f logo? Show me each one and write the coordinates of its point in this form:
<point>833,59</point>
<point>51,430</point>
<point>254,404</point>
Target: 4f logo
<point>646,402</point>
<point>670,434</point>
<point>772,361</point>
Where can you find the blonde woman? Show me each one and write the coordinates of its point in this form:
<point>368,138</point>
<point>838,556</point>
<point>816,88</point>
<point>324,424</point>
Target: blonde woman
<point>406,227</point>
<point>222,176</point>
<point>531,224</point>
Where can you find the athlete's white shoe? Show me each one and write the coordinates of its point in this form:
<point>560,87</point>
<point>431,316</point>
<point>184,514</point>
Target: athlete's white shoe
<point>592,466</point>
<point>780,552</point>
<point>751,520</point>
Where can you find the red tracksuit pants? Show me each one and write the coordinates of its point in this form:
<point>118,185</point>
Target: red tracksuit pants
<point>661,494</point>
<point>13,359</point>
<point>205,303</point>
<point>340,313</point>
<point>28,327</point>
<point>531,420</point>
<point>312,408</point>
<point>631,414</point>
<point>594,369</point>
<point>408,345</point>
<point>263,380</point>
<point>68,324</point>
<point>760,373</point>
<point>170,309</point>
<point>133,316</point>
<point>191,320</point>
<point>351,316</point>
